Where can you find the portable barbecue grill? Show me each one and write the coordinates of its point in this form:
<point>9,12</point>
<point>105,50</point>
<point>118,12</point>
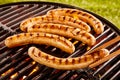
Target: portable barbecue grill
<point>15,64</point>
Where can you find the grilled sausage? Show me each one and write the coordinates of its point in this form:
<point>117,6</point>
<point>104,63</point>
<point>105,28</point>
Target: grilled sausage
<point>54,19</point>
<point>81,15</point>
<point>40,38</point>
<point>64,30</point>
<point>65,63</point>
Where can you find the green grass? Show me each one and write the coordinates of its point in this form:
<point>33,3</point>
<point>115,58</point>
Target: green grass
<point>109,9</point>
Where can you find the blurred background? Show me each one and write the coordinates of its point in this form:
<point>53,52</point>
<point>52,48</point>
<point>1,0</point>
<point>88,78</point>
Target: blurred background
<point>109,9</point>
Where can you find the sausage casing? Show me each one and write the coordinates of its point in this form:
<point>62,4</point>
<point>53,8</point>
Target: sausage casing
<point>54,19</point>
<point>40,38</point>
<point>65,63</point>
<point>81,15</point>
<point>64,30</point>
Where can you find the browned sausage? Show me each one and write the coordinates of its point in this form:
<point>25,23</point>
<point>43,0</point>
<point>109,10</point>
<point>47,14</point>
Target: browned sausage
<point>81,15</point>
<point>54,19</point>
<point>40,38</point>
<point>65,63</point>
<point>64,30</point>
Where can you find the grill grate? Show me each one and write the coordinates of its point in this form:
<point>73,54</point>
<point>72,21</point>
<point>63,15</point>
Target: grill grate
<point>15,63</point>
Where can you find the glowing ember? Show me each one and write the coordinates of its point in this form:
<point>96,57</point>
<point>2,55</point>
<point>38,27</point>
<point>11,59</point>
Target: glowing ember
<point>74,76</point>
<point>24,77</point>
<point>75,42</point>
<point>34,70</point>
<point>88,48</point>
<point>11,69</point>
<point>70,39</point>
<point>13,76</point>
<point>33,62</point>
<point>83,44</point>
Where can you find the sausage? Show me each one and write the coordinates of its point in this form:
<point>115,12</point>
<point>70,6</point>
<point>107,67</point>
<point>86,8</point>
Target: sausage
<point>64,30</point>
<point>81,15</point>
<point>65,63</point>
<point>40,38</point>
<point>54,19</point>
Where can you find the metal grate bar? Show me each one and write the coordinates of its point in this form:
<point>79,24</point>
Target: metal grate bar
<point>105,65</point>
<point>25,70</point>
<point>43,11</point>
<point>6,28</point>
<point>25,15</point>
<point>104,40</point>
<point>115,47</point>
<point>13,63</point>
<point>66,75</point>
<point>44,74</point>
<point>3,48</point>
<point>26,10</point>
<point>41,67</point>
<point>39,13</point>
<point>116,76</point>
<point>2,32</point>
<point>4,8</point>
<point>2,38</point>
<point>5,53</point>
<point>3,61</point>
<point>17,68</point>
<point>56,74</point>
<point>37,70</point>
<point>110,71</point>
<point>8,10</point>
<point>102,34</point>
<point>80,51</point>
<point>16,11</point>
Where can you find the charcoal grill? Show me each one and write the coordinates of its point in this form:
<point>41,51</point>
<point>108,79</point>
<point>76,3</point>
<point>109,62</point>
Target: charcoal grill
<point>15,64</point>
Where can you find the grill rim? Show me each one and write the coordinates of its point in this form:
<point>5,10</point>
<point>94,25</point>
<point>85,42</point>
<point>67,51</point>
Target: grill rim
<point>114,27</point>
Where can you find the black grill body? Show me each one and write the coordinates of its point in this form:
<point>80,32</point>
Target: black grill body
<point>15,64</point>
